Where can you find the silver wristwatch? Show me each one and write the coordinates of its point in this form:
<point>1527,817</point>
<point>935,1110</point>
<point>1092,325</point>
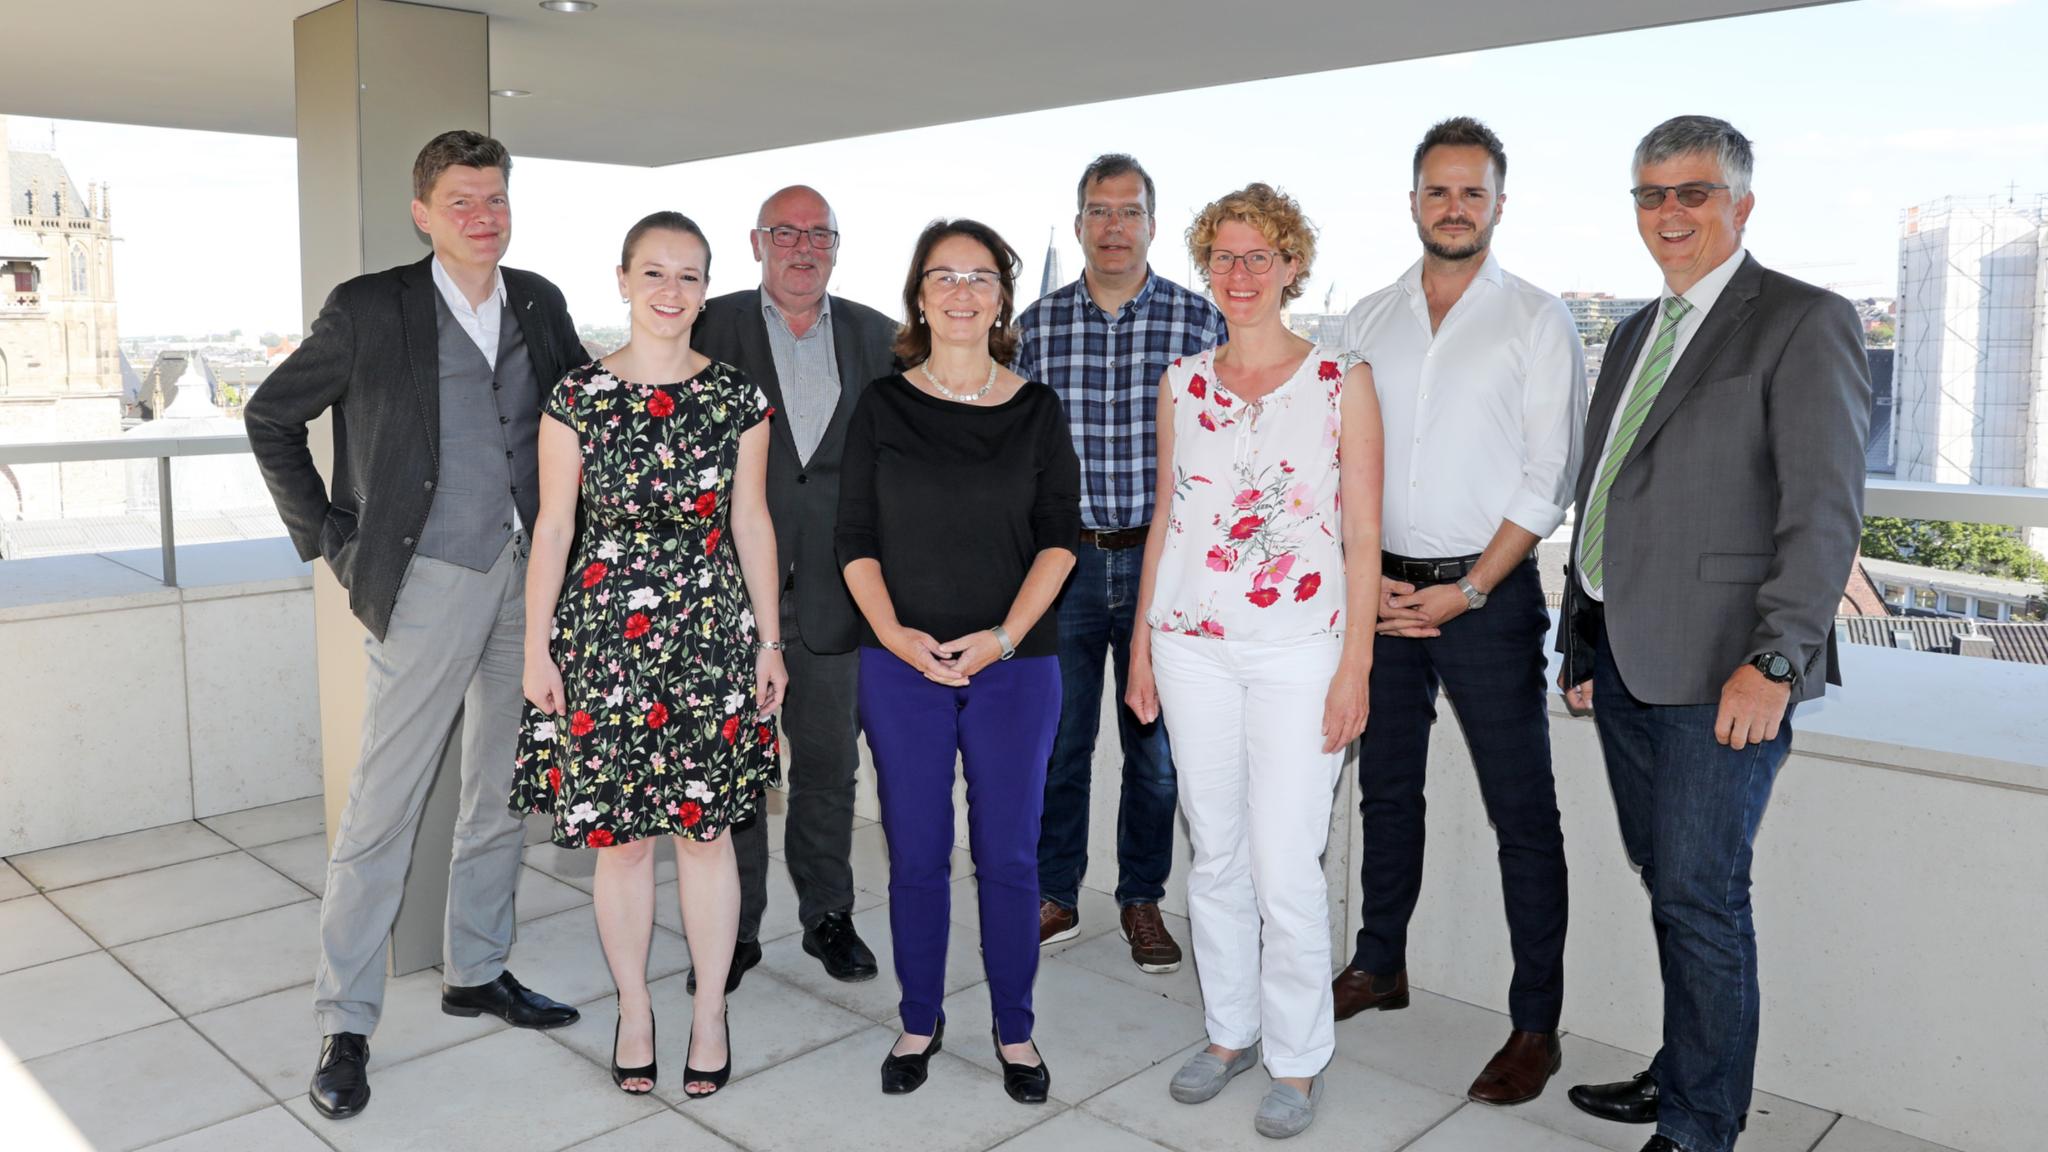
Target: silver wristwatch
<point>1474,598</point>
<point>1003,638</point>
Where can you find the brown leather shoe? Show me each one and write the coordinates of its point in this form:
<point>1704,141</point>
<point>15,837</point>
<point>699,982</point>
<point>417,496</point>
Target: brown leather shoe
<point>1356,990</point>
<point>1518,1072</point>
<point>1152,947</point>
<point>1056,923</point>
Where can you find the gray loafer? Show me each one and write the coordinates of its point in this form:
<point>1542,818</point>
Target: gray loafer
<point>1286,1112</point>
<point>1205,1074</point>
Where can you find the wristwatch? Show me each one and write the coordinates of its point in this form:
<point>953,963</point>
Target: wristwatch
<point>1003,638</point>
<point>1474,598</point>
<point>1775,667</point>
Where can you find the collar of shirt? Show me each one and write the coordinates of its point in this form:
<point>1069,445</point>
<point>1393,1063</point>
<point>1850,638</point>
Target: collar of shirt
<point>1143,297</point>
<point>459,304</point>
<point>1418,300</point>
<point>1703,294</point>
<point>768,309</point>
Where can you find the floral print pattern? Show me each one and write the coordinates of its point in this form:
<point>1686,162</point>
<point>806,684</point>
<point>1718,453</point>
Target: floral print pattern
<point>654,631</point>
<point>1254,543</point>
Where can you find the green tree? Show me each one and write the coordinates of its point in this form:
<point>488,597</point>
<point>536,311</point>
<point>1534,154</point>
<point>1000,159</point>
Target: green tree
<point>1880,335</point>
<point>1987,549</point>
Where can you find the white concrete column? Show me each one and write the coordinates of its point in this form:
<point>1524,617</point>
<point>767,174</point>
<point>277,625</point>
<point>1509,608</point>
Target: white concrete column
<point>375,81</point>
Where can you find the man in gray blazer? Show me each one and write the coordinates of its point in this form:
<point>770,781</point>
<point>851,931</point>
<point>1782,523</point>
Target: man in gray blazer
<point>1720,505</point>
<point>811,353</point>
<point>434,373</point>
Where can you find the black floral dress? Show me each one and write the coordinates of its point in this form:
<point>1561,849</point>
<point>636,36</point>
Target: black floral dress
<point>654,631</point>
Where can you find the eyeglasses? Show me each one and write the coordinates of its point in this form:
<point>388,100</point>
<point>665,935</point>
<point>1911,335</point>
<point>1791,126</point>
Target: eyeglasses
<point>784,236</point>
<point>1129,214</point>
<point>980,281</point>
<point>1256,262</point>
<point>1692,193</point>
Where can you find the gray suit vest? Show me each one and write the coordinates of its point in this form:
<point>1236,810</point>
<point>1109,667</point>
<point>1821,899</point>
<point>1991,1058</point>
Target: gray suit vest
<point>490,425</point>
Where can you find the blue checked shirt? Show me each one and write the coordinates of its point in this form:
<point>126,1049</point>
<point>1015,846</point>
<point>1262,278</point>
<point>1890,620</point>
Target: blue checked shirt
<point>1106,371</point>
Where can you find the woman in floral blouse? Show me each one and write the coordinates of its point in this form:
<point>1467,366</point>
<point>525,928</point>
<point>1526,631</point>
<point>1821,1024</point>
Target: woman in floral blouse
<point>653,662</point>
<point>1260,587</point>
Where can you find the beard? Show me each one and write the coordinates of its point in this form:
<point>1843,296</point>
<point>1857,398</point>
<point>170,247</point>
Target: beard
<point>1476,246</point>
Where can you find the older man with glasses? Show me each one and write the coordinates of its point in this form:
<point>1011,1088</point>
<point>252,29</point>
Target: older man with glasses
<point>812,353</point>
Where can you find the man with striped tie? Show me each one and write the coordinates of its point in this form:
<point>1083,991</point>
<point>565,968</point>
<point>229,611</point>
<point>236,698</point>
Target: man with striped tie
<point>1720,504</point>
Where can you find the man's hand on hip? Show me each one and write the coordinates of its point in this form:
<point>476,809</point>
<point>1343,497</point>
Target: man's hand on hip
<point>1752,707</point>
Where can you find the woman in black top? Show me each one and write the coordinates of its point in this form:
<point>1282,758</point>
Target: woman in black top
<point>959,512</point>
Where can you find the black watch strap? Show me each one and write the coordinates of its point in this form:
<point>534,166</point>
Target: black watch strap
<point>1776,667</point>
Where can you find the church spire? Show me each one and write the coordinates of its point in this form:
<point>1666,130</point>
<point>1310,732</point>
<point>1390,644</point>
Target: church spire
<point>1051,277</point>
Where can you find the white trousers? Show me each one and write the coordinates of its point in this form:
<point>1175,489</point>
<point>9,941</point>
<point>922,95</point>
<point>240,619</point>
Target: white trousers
<point>1245,722</point>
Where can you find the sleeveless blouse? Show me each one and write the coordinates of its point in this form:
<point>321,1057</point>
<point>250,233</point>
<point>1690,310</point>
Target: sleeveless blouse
<point>1254,540</point>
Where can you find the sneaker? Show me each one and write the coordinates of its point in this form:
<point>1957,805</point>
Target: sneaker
<point>1056,923</point>
<point>1152,948</point>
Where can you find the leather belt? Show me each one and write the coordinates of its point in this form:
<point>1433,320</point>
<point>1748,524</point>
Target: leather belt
<point>1115,539</point>
<point>1410,570</point>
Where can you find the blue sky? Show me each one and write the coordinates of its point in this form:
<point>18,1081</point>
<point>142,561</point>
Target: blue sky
<point>1858,110</point>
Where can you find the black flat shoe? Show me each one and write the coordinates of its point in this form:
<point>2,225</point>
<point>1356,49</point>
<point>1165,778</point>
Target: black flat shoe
<point>341,1083</point>
<point>840,949</point>
<point>647,1072</point>
<point>905,1074</point>
<point>715,1078</point>
<point>745,955</point>
<point>510,1001</point>
<point>1026,1083</point>
<point>1631,1101</point>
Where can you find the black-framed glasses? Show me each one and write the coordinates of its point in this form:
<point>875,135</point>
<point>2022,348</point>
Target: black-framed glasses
<point>1692,193</point>
<point>1256,261</point>
<point>785,236</point>
<point>1129,215</point>
<point>979,280</point>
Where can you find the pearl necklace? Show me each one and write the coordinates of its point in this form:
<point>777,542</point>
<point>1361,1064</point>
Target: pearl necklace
<point>949,394</point>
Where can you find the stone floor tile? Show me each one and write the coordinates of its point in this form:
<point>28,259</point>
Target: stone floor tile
<point>1850,1135</point>
<point>13,885</point>
<point>559,956</point>
<point>1077,1132</point>
<point>33,931</point>
<point>139,905</point>
<point>875,999</point>
<point>303,858</point>
<point>1436,1042</point>
<point>275,1038</point>
<point>778,919</point>
<point>1107,953</point>
<point>255,827</point>
<point>142,1087</point>
<point>512,1091</point>
<point>542,895</point>
<point>832,1098</point>
<point>91,860</point>
<point>870,859</point>
<point>1093,1031</point>
<point>1362,1110</point>
<point>1479,1128</point>
<point>271,1130</point>
<point>70,1002</point>
<point>661,1132</point>
<point>220,964</point>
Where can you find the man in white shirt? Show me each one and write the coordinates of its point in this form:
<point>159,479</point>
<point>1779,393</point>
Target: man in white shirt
<point>1481,382</point>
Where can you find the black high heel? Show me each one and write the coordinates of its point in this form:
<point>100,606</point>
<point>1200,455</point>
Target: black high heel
<point>715,1078</point>
<point>648,1073</point>
<point>905,1074</point>
<point>1026,1083</point>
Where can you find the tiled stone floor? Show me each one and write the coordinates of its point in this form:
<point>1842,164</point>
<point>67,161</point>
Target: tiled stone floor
<point>157,986</point>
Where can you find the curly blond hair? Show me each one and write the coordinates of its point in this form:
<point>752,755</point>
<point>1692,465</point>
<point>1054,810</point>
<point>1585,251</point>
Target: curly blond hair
<point>1276,215</point>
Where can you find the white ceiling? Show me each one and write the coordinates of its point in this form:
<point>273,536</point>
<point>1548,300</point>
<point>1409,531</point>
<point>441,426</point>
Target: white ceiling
<point>660,81</point>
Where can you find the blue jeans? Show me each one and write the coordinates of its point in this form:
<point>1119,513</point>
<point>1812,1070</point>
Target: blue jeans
<point>1689,809</point>
<point>1096,612</point>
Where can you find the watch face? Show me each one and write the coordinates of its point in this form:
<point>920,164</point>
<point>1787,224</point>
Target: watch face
<point>1777,667</point>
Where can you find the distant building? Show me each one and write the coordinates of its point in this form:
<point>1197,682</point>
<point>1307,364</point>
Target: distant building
<point>1911,589</point>
<point>1880,452</point>
<point>1596,313</point>
<point>1050,278</point>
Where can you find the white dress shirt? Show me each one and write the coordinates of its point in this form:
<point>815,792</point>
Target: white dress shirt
<point>1702,297</point>
<point>482,324</point>
<point>1482,418</point>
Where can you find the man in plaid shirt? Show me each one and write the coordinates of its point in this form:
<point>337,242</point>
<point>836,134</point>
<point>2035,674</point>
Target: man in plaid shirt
<point>1102,344</point>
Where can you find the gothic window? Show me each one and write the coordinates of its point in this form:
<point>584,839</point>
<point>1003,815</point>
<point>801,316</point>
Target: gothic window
<point>80,272</point>
<point>24,276</point>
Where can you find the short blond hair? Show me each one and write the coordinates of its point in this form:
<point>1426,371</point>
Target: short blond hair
<point>1276,215</point>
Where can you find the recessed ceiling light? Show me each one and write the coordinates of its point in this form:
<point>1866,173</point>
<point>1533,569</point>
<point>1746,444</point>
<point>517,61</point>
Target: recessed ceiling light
<point>511,93</point>
<point>568,5</point>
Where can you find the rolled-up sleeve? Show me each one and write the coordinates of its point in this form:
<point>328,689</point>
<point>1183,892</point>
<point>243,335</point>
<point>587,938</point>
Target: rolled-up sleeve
<point>854,536</point>
<point>1056,512</point>
<point>1553,417</point>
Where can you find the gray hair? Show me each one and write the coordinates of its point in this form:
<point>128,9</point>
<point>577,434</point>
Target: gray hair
<point>1692,135</point>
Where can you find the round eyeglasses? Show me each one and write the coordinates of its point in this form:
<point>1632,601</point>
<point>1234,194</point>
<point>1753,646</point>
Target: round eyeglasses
<point>1256,262</point>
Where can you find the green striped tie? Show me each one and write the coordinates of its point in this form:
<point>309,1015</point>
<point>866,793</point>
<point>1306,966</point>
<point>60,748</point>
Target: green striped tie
<point>1655,370</point>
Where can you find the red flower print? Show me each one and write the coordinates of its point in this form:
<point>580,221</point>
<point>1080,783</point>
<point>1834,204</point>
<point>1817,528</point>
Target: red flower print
<point>1198,387</point>
<point>1221,559</point>
<point>657,715</point>
<point>661,405</point>
<point>1307,585</point>
<point>1223,400</point>
<point>1246,498</point>
<point>637,625</point>
<point>711,541</point>
<point>731,730</point>
<point>554,779</point>
<point>1243,529</point>
<point>598,838</point>
<point>1263,597</point>
<point>689,812</point>
<point>581,724</point>
<point>769,414</point>
<point>763,734</point>
<point>1204,421</point>
<point>594,573</point>
<point>1212,629</point>
<point>707,503</point>
<point>1328,370</point>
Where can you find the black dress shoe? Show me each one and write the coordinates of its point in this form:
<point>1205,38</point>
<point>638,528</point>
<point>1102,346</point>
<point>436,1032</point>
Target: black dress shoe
<point>1661,1144</point>
<point>510,1001</point>
<point>341,1084</point>
<point>834,942</point>
<point>905,1074</point>
<point>1631,1101</point>
<point>1026,1083</point>
<point>745,955</point>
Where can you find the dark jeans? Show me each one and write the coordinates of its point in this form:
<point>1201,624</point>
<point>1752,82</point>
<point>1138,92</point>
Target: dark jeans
<point>821,723</point>
<point>1096,612</point>
<point>1689,810</point>
<point>1491,665</point>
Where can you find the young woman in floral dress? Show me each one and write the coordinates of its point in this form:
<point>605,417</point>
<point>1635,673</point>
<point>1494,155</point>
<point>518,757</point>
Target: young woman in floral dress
<point>653,660</point>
